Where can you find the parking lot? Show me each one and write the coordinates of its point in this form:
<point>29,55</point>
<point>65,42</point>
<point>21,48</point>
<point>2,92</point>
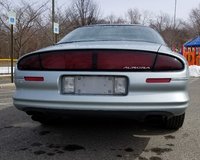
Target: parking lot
<point>85,139</point>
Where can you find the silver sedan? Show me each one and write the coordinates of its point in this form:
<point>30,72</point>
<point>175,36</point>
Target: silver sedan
<point>112,69</point>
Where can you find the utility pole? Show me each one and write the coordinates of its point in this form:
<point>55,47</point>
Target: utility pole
<point>12,22</point>
<point>175,13</point>
<point>55,26</point>
<point>53,18</point>
<point>11,51</point>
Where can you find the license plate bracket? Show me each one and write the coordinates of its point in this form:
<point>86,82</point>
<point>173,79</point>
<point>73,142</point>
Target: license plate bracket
<point>94,85</point>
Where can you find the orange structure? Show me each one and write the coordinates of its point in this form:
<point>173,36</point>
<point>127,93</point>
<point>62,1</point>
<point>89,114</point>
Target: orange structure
<point>191,51</point>
<point>198,60</point>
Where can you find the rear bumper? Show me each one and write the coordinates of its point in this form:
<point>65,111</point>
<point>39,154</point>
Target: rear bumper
<point>168,109</point>
<point>171,98</point>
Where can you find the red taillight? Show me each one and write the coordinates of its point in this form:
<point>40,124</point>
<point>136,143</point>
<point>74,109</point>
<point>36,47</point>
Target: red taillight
<point>167,63</point>
<point>66,61</point>
<point>125,60</point>
<point>31,62</point>
<point>100,60</point>
<point>114,60</point>
<point>158,80</point>
<point>34,78</point>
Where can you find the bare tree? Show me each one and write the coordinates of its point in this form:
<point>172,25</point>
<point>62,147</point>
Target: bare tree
<point>65,21</point>
<point>174,36</point>
<point>195,20</point>
<point>4,30</point>
<point>161,22</point>
<point>84,12</point>
<point>26,26</point>
<point>112,19</point>
<point>134,16</point>
<point>146,18</point>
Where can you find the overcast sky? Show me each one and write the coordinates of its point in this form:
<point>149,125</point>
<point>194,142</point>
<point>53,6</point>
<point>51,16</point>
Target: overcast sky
<point>156,6</point>
<point>119,7</point>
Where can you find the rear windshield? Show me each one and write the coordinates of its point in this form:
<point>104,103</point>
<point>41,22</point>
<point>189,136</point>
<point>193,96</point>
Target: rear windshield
<point>113,33</point>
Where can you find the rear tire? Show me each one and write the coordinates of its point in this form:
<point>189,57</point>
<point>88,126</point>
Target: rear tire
<point>175,122</point>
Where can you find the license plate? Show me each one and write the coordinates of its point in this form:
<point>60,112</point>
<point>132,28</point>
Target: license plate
<point>95,85</point>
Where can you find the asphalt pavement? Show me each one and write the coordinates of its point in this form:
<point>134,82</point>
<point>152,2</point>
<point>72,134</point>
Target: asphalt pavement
<point>97,139</point>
